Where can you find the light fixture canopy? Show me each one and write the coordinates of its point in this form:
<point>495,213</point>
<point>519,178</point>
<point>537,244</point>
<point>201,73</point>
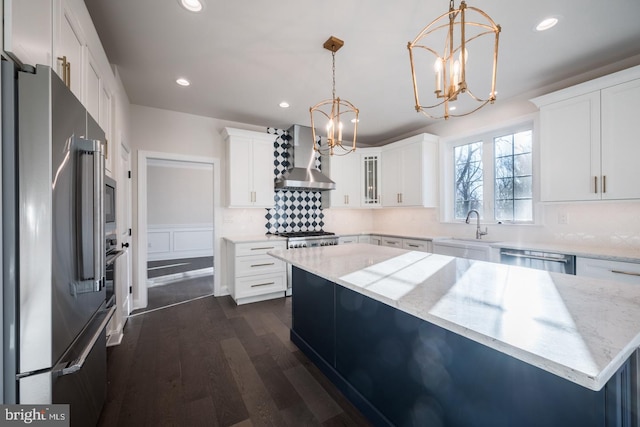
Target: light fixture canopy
<point>455,33</point>
<point>337,113</point>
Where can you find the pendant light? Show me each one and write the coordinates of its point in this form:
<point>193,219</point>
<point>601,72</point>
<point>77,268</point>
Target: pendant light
<point>335,115</point>
<point>450,41</point>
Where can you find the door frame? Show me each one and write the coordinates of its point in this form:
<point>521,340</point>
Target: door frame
<point>140,252</point>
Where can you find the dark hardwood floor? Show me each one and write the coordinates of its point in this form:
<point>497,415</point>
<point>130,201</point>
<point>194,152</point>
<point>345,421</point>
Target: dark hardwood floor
<point>209,362</point>
<point>174,293</point>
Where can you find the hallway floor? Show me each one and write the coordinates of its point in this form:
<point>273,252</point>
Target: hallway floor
<point>209,362</point>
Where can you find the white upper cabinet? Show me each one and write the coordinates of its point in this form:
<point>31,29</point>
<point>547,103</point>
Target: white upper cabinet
<point>68,48</point>
<point>106,123</point>
<point>250,169</point>
<point>410,172</point>
<point>620,107</point>
<point>28,31</point>
<point>589,140</point>
<point>345,172</point>
<point>357,177</point>
<point>93,88</point>
<point>570,149</point>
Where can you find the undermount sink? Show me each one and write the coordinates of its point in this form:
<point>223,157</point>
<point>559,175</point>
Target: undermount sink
<point>464,248</point>
<point>477,241</point>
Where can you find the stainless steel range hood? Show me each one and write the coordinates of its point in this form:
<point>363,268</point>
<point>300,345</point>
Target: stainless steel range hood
<point>303,175</point>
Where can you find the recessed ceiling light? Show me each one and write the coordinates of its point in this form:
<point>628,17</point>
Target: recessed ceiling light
<point>452,108</point>
<point>547,23</point>
<point>192,5</point>
<point>284,104</point>
<point>183,82</point>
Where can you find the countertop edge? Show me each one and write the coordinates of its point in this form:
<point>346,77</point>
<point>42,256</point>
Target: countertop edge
<point>591,382</point>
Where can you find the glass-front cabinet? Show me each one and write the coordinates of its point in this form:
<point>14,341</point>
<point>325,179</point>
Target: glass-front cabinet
<point>370,179</point>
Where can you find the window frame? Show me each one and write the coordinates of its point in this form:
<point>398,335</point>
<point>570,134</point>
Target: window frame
<point>487,135</point>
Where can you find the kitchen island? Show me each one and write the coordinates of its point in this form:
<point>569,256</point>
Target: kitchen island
<point>414,338</point>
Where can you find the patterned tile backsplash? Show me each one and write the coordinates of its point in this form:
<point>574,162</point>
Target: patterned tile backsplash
<point>293,210</point>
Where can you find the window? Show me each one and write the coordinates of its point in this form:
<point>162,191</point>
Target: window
<point>493,174</point>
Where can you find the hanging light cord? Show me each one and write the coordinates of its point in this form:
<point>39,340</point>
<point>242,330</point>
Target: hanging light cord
<point>333,70</point>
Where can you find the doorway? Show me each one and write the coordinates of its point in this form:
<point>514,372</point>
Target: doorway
<point>177,255</point>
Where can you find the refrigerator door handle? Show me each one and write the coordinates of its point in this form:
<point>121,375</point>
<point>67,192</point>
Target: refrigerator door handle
<point>91,217</point>
<point>77,364</point>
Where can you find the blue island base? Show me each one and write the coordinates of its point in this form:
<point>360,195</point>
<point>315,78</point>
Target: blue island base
<point>403,371</point>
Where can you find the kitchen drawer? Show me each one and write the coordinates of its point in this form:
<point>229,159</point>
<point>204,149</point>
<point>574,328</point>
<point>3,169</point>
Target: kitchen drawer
<point>258,264</point>
<point>260,284</point>
<point>344,240</point>
<point>417,245</point>
<point>388,241</point>
<point>258,248</point>
<point>627,272</point>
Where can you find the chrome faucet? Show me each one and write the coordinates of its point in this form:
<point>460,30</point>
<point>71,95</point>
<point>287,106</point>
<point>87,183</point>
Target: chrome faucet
<point>479,232</point>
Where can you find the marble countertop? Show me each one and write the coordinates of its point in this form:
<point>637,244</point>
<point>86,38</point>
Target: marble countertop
<point>254,238</point>
<point>578,328</point>
<point>624,254</point>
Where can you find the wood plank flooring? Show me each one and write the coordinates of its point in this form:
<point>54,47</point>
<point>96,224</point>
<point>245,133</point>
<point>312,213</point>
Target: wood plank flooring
<point>211,363</point>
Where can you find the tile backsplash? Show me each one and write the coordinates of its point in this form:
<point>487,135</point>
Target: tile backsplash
<point>293,210</point>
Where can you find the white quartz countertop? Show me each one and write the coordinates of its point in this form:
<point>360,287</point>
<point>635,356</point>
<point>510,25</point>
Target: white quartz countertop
<point>255,238</point>
<point>578,328</point>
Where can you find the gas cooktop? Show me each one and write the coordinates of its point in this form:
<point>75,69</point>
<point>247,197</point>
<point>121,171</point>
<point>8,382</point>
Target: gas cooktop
<point>294,234</point>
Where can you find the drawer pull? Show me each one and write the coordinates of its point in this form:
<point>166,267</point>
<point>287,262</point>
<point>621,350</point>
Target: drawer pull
<point>262,265</point>
<point>628,273</point>
<point>412,245</point>
<point>262,249</point>
<point>263,284</point>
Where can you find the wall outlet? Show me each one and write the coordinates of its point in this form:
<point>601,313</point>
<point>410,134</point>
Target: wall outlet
<point>563,218</point>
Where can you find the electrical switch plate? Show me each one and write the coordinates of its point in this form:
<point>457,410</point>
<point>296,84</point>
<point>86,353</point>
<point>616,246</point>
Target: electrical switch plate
<point>563,218</point>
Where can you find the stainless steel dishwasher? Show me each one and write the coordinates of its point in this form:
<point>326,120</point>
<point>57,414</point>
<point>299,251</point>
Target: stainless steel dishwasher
<point>548,261</point>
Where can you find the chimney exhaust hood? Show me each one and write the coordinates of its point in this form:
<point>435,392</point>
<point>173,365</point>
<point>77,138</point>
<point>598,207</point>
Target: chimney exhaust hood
<point>303,175</point>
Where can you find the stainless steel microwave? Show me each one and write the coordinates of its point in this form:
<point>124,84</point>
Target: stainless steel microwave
<point>109,205</point>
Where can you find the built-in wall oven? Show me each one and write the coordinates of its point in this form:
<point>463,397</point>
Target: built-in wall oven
<point>548,261</point>
<point>109,205</point>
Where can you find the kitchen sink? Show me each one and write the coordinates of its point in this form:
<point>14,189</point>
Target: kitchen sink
<point>464,248</point>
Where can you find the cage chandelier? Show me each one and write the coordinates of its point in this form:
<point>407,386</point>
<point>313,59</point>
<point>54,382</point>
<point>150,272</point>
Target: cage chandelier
<point>337,113</point>
<point>456,34</point>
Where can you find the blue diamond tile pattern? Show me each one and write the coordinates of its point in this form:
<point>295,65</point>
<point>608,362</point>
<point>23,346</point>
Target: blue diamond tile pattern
<point>293,210</point>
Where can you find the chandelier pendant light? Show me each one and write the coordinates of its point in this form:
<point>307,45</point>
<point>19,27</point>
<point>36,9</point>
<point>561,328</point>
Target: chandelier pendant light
<point>337,114</point>
<point>459,34</point>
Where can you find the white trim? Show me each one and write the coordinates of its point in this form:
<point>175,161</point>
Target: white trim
<point>140,285</point>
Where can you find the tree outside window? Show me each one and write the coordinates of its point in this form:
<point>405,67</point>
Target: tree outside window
<point>513,177</point>
<point>509,198</point>
<point>468,178</point>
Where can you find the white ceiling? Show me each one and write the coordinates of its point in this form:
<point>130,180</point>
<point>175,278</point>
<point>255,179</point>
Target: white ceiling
<point>244,57</point>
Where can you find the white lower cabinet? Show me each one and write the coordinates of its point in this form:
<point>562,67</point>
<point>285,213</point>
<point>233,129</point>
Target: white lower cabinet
<point>254,275</point>
<point>417,245</point>
<point>394,242</point>
<point>375,240</point>
<point>345,240</point>
<point>619,271</point>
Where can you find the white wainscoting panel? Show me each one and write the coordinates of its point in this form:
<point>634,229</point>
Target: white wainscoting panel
<point>174,241</point>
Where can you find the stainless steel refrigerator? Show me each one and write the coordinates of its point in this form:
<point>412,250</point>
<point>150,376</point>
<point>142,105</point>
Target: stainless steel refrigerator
<point>53,273</point>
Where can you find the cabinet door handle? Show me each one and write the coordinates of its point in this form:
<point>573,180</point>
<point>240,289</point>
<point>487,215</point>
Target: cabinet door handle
<point>262,284</point>
<point>604,184</point>
<point>66,70</point>
<point>595,184</point>
<point>262,265</point>
<point>628,273</point>
<point>262,249</point>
